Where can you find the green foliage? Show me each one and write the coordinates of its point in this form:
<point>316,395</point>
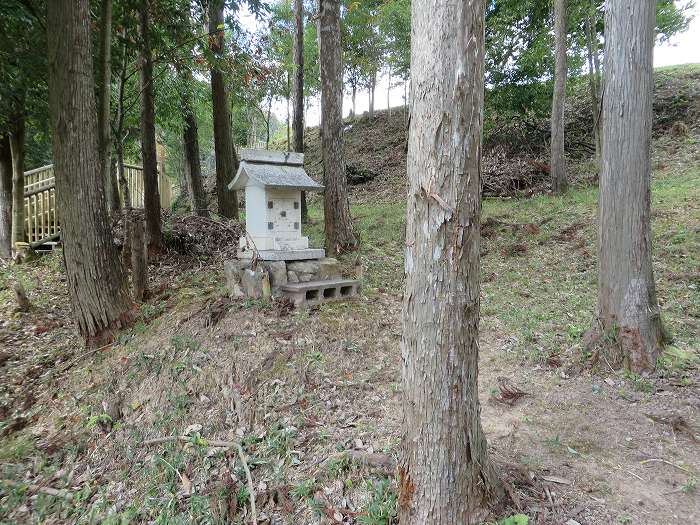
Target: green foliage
<point>381,509</point>
<point>516,519</point>
<point>304,490</point>
<point>363,42</point>
<point>395,26</point>
<point>23,73</point>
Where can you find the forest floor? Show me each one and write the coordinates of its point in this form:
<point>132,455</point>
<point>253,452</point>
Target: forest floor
<point>314,395</point>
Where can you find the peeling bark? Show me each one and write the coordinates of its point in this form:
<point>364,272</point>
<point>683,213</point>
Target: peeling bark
<point>627,306</point>
<point>445,476</point>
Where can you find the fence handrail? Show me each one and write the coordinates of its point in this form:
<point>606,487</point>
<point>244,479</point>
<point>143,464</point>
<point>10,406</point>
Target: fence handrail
<point>38,170</point>
<point>40,203</point>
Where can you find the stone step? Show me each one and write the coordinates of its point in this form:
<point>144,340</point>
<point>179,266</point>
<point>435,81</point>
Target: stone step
<point>316,292</point>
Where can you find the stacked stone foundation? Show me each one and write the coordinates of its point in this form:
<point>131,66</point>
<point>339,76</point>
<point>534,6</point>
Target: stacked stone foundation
<point>268,277</point>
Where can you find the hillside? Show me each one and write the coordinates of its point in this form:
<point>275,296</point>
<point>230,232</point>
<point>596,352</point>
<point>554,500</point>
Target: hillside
<point>145,430</point>
<point>515,146</point>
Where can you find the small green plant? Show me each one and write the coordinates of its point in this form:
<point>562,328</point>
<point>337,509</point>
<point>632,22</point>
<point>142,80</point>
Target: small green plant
<point>575,332</point>
<point>516,519</point>
<point>243,495</point>
<point>690,486</point>
<point>624,519</point>
<point>315,357</point>
<point>639,383</point>
<point>338,467</point>
<point>304,490</point>
<point>554,442</point>
<point>98,419</point>
<point>180,343</point>
<point>381,510</point>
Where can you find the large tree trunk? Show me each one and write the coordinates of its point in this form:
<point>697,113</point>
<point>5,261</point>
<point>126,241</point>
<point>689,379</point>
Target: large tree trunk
<point>193,168</point>
<point>17,151</point>
<point>5,198</point>
<point>557,161</point>
<point>151,194</point>
<point>594,80</point>
<point>103,119</point>
<point>627,306</point>
<point>226,159</point>
<point>95,278</point>
<point>445,473</point>
<point>340,236</point>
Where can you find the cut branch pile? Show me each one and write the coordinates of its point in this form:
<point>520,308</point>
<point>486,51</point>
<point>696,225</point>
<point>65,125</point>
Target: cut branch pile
<point>190,234</point>
<point>194,235</point>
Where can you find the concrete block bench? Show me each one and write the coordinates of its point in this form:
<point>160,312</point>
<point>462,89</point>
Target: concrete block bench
<point>316,292</point>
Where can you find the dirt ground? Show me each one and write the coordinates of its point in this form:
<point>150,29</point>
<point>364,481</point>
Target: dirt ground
<point>313,384</point>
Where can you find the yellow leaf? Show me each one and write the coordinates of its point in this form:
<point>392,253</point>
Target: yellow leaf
<point>220,26</point>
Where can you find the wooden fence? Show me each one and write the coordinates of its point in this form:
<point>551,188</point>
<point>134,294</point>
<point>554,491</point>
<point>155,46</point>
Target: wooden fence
<point>41,216</point>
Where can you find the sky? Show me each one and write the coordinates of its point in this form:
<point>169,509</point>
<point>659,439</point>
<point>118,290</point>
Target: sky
<point>680,49</point>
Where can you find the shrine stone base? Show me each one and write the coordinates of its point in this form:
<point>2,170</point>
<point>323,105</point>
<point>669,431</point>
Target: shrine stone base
<point>284,255</point>
<point>269,276</point>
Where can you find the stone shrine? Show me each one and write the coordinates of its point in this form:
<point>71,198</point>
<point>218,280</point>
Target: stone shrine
<point>274,256</point>
<point>273,182</point>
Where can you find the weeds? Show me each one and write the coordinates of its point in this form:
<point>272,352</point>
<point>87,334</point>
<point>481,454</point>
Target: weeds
<point>304,490</point>
<point>381,509</point>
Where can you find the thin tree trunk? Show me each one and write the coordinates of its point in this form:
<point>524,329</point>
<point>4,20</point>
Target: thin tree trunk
<point>340,236</point>
<point>95,278</point>
<point>193,168</point>
<point>123,185</point>
<point>298,87</point>
<point>289,87</point>
<point>298,92</point>
<point>354,97</point>
<point>388,94</point>
<point>5,198</point>
<point>557,160</point>
<point>17,150</point>
<point>226,159</point>
<point>267,122</point>
<point>627,306</point>
<point>103,119</point>
<point>121,174</point>
<point>594,80</point>
<point>445,477</point>
<point>151,194</point>
<point>405,102</point>
<point>372,83</point>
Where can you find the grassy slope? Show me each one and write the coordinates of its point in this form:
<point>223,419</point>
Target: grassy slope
<point>545,297</point>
